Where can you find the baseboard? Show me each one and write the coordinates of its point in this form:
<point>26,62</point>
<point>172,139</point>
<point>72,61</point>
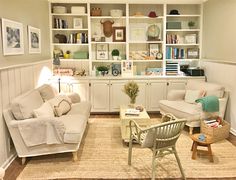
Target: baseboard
<point>233,131</point>
<point>9,161</point>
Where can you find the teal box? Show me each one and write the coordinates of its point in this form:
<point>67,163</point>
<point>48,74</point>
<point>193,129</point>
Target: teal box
<point>173,25</point>
<point>81,55</point>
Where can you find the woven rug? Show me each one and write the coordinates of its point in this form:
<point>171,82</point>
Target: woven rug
<point>102,155</point>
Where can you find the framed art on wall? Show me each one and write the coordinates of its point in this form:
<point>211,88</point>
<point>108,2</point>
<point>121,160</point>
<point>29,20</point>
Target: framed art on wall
<point>102,51</point>
<point>12,37</point>
<point>34,37</point>
<point>119,34</point>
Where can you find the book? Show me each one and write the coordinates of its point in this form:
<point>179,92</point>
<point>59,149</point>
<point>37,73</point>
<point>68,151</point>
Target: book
<point>131,111</point>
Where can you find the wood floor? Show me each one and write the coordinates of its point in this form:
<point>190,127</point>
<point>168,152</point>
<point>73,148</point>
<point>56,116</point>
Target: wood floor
<point>15,168</point>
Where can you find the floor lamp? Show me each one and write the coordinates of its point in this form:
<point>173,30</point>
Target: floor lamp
<point>57,63</point>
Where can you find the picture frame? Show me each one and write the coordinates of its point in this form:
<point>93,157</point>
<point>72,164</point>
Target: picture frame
<point>77,23</point>
<point>138,32</point>
<point>190,39</point>
<point>153,50</point>
<point>102,52</point>
<point>12,37</point>
<point>126,68</point>
<point>34,38</point>
<point>192,53</point>
<point>119,34</point>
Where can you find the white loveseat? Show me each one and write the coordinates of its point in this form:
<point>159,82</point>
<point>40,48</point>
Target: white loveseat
<point>176,103</point>
<point>46,134</point>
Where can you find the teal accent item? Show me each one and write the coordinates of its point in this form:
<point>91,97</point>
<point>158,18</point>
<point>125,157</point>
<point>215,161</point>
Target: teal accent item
<point>209,103</point>
<point>81,55</point>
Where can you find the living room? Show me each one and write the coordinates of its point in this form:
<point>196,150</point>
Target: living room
<point>27,70</point>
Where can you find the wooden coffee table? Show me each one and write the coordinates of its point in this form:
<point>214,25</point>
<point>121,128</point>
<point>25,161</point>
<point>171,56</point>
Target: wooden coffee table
<point>207,143</point>
<point>142,119</point>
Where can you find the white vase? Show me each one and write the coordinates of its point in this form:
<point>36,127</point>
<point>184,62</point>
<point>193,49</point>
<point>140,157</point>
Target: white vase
<point>115,57</point>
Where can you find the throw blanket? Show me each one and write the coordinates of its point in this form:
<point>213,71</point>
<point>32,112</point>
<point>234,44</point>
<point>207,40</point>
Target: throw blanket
<point>209,103</point>
<point>42,131</point>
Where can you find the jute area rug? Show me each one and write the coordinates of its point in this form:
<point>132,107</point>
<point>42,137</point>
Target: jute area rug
<point>102,155</point>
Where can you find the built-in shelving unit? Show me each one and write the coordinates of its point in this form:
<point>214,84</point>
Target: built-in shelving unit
<point>147,35</point>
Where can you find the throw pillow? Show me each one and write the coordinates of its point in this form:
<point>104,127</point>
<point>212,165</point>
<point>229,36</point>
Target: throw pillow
<point>74,97</point>
<point>192,95</point>
<point>44,111</point>
<point>47,92</point>
<point>63,107</point>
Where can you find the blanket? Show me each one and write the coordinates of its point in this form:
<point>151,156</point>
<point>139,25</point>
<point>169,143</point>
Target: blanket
<point>42,131</point>
<point>209,103</point>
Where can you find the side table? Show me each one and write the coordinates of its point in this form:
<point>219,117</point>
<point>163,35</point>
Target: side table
<point>206,143</point>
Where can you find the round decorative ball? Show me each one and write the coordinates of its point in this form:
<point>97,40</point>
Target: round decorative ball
<point>2,173</point>
<point>153,30</point>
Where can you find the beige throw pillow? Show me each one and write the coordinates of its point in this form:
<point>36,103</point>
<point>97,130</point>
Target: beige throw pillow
<point>47,92</point>
<point>192,95</point>
<point>62,108</point>
<point>44,111</point>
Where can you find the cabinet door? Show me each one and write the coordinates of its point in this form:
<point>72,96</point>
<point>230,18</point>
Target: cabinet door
<point>100,96</point>
<point>82,88</point>
<point>176,85</point>
<point>117,96</point>
<point>142,98</point>
<point>157,92</point>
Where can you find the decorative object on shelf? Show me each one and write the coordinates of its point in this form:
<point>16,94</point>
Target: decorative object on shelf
<point>190,38</point>
<point>102,51</point>
<point>154,71</point>
<point>80,73</point>
<point>96,12</point>
<point>77,23</point>
<point>153,32</point>
<point>12,37</point>
<point>152,14</point>
<point>34,38</point>
<point>138,31</point>
<point>138,14</point>
<point>107,27</point>
<point>58,52</point>
<point>119,34</point>
<point>192,53</point>
<point>191,24</point>
<point>103,70</point>
<point>116,69</point>
<point>131,89</point>
<point>159,56</point>
<point>138,55</point>
<point>80,55</point>
<point>77,10</point>
<point>174,12</point>
<point>115,54</point>
<point>56,60</point>
<point>67,54</point>
<point>116,13</point>
<point>153,50</point>
<point>173,25</point>
<point>59,9</point>
<point>61,38</point>
<point>127,68</point>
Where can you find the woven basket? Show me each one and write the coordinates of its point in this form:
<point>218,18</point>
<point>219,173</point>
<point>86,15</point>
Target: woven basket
<point>96,12</point>
<point>217,134</point>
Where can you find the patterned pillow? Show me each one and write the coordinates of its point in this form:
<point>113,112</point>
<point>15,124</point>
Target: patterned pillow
<point>63,107</point>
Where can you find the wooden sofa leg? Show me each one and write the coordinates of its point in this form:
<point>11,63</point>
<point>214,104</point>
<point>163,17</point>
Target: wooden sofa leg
<point>190,130</point>
<point>75,157</point>
<point>23,160</point>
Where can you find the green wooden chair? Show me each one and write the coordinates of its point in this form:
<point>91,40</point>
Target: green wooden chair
<point>160,138</point>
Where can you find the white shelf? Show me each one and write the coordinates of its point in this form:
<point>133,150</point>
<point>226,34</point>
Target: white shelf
<point>178,60</point>
<point>108,42</point>
<point>145,42</point>
<point>182,30</point>
<point>146,61</point>
<point>145,17</point>
<point>69,44</point>
<point>184,15</point>
<point>74,60</point>
<point>182,44</point>
<point>68,14</point>
<point>107,61</point>
<point>107,17</point>
<point>68,29</point>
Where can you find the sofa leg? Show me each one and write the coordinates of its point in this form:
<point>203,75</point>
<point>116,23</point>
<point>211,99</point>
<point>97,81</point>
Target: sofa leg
<point>23,160</point>
<point>75,157</point>
<point>190,130</point>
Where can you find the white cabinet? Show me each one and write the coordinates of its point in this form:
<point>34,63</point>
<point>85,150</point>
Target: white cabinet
<point>82,88</point>
<point>142,95</point>
<point>100,96</point>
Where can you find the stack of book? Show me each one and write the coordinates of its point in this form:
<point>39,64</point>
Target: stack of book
<point>60,23</point>
<point>172,68</point>
<point>133,112</point>
<point>213,123</point>
<point>175,53</point>
<point>78,38</point>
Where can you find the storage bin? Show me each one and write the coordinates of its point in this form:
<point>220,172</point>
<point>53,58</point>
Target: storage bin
<point>96,12</point>
<point>59,9</point>
<point>218,133</point>
<point>78,10</point>
<point>81,55</point>
<point>173,25</point>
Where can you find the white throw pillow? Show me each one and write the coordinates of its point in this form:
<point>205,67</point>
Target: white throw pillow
<point>47,92</point>
<point>192,95</point>
<point>62,108</point>
<point>44,111</point>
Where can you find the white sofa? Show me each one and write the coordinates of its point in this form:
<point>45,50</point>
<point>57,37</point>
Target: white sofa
<point>44,134</point>
<point>176,103</point>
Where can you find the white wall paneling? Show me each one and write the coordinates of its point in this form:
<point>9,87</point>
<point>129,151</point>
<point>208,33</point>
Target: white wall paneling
<point>13,82</point>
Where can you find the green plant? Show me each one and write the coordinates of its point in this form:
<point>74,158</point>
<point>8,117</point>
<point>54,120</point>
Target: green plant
<point>115,52</point>
<point>191,23</point>
<point>102,68</point>
<point>131,89</point>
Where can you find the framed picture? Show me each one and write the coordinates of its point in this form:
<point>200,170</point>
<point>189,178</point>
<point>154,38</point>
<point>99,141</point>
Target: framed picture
<point>138,32</point>
<point>102,51</point>
<point>127,68</point>
<point>34,37</point>
<point>192,53</point>
<point>78,23</point>
<point>119,34</point>
<point>190,38</point>
<point>153,50</point>
<point>12,37</point>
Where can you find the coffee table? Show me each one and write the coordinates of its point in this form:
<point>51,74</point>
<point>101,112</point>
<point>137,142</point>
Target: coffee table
<point>142,119</point>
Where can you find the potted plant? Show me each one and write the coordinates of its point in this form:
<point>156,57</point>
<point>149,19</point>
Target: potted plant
<point>115,54</point>
<point>131,89</point>
<point>191,24</point>
<point>102,70</point>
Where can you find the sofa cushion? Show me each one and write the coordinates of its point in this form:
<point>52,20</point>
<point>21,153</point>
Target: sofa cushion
<point>82,108</point>
<point>192,95</point>
<point>63,107</point>
<point>47,92</point>
<point>74,97</point>
<point>74,127</point>
<point>44,111</point>
<point>56,101</point>
<point>22,106</point>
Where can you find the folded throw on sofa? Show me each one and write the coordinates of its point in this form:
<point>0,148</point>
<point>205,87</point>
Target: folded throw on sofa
<point>209,103</point>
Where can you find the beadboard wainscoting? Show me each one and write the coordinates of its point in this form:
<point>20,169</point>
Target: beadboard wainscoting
<point>15,80</point>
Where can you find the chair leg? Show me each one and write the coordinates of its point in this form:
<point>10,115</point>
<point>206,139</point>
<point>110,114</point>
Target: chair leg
<point>178,161</point>
<point>75,157</point>
<point>190,130</point>
<point>153,164</point>
<point>130,151</point>
<point>23,160</point>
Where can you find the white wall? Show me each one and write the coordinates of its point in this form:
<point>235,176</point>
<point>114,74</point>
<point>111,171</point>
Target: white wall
<point>219,43</point>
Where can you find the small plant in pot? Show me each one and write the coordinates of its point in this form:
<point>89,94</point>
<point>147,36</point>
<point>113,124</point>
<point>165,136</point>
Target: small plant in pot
<point>115,54</point>
<point>102,70</point>
<point>131,88</point>
<point>191,24</point>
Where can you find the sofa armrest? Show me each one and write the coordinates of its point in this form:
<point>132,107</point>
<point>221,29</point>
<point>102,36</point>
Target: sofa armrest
<point>174,95</point>
<point>75,97</point>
